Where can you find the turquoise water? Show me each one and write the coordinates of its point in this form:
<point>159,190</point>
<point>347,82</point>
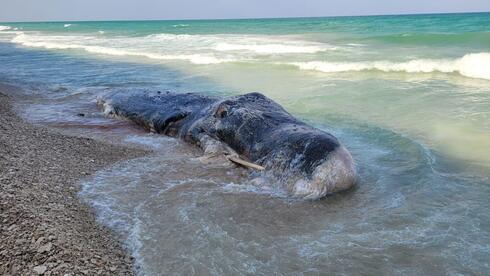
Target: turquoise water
<point>409,96</point>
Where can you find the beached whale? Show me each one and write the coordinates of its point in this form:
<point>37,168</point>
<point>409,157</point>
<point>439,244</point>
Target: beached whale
<point>310,162</point>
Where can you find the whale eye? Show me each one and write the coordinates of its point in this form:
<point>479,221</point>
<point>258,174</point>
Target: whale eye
<point>221,112</point>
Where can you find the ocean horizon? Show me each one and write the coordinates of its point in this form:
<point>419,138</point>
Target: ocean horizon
<point>251,18</point>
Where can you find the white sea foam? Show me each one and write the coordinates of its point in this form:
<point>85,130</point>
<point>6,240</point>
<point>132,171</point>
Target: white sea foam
<point>216,49</point>
<point>101,32</point>
<point>67,25</point>
<point>155,142</point>
<point>271,48</point>
<point>260,185</point>
<point>31,41</point>
<point>196,49</point>
<point>476,65</point>
<point>4,28</point>
<point>250,43</point>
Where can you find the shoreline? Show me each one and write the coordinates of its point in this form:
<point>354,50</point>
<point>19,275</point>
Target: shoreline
<point>46,228</point>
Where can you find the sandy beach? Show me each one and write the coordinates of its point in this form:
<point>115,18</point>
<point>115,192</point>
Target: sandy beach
<point>45,229</point>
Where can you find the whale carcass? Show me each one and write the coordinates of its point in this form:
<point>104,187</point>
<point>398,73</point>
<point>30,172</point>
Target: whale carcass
<point>310,162</point>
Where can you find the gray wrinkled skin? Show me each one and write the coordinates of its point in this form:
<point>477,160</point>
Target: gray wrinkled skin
<point>311,162</point>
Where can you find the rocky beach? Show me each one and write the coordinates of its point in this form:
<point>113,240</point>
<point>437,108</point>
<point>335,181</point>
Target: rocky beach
<point>45,228</point>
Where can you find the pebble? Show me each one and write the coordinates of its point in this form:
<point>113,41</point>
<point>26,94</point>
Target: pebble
<point>45,248</point>
<point>40,269</point>
<point>39,241</point>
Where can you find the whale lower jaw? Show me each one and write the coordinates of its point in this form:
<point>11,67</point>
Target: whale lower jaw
<point>336,174</point>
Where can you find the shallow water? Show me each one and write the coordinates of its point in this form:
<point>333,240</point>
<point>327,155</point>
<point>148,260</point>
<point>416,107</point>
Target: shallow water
<point>409,96</point>
<point>182,217</point>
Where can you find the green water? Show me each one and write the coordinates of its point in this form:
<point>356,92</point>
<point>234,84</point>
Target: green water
<point>409,96</point>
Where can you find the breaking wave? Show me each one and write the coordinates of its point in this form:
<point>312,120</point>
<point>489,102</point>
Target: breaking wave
<point>4,28</point>
<point>216,49</point>
<point>475,65</point>
<point>465,38</point>
<point>193,58</point>
<point>271,48</point>
<point>251,43</point>
<point>197,49</point>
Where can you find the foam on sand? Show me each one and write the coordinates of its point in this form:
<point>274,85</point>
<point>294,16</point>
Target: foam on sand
<point>475,65</point>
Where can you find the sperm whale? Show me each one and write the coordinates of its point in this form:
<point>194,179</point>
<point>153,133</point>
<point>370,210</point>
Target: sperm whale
<point>312,163</point>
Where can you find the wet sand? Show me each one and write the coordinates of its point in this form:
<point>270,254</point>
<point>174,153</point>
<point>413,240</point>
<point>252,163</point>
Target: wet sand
<point>45,228</point>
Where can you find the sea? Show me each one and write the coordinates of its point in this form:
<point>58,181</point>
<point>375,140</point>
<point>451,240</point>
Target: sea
<point>407,95</point>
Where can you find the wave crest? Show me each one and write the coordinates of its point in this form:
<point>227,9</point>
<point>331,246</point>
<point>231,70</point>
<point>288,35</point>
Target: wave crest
<point>4,28</point>
<point>215,49</point>
<point>193,58</point>
<point>249,43</point>
<point>475,65</point>
<point>271,48</point>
